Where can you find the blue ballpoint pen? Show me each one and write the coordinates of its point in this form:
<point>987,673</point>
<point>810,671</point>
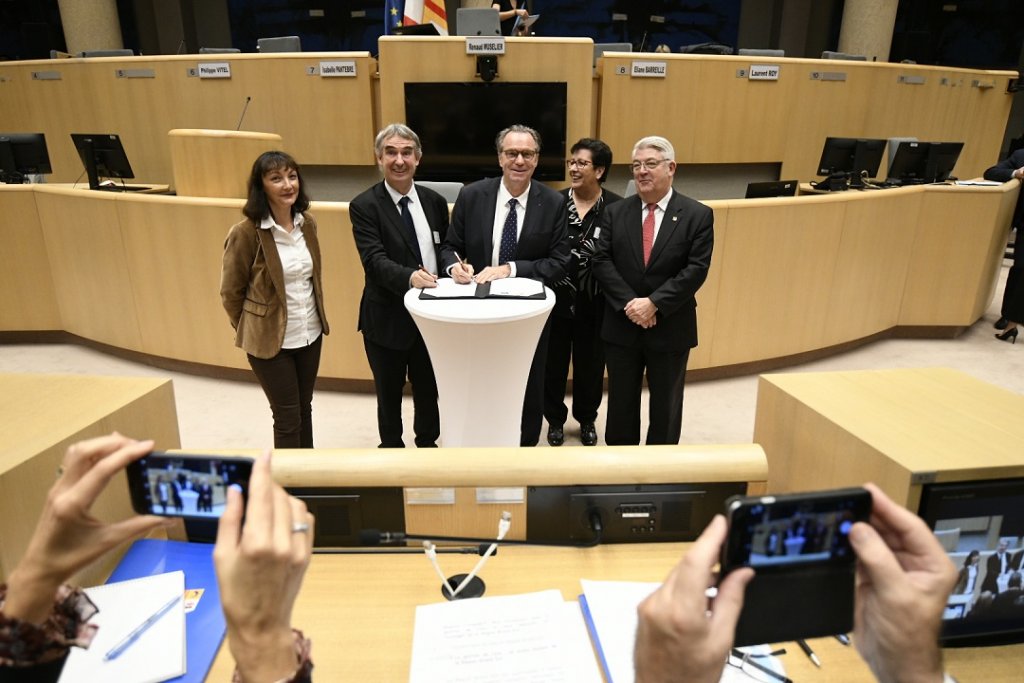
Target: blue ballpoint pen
<point>119,649</point>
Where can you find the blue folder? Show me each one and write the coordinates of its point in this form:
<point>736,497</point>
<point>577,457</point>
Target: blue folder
<point>204,626</point>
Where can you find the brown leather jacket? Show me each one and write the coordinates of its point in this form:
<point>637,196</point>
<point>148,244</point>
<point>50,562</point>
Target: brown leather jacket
<point>252,286</point>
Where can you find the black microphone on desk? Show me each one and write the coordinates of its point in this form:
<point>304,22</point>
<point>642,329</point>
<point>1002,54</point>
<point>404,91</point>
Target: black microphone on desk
<point>248,98</point>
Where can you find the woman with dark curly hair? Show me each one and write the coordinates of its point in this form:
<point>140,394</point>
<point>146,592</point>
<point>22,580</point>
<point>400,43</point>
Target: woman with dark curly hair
<point>271,289</point>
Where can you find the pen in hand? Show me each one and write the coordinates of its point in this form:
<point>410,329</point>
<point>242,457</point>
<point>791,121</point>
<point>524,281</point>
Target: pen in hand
<point>137,632</point>
<point>809,652</point>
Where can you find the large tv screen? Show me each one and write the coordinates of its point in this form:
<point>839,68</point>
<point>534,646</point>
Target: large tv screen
<point>981,526</point>
<point>457,124</point>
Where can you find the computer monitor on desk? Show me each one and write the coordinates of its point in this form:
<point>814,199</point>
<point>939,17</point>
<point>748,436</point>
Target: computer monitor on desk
<point>855,158</point>
<point>103,156</point>
<point>22,154</point>
<point>916,163</point>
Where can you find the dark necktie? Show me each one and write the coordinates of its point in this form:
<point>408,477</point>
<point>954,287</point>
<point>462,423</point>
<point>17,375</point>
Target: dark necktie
<point>648,232</point>
<point>410,228</point>
<point>509,239</point>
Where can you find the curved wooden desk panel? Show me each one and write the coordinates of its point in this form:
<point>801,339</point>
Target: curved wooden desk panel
<point>216,163</point>
<point>713,116</point>
<point>709,113</point>
<point>520,466</point>
<point>323,120</point>
<point>789,276</point>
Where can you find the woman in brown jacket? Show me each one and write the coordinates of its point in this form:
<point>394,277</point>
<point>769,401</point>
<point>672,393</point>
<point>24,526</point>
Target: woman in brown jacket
<point>271,289</point>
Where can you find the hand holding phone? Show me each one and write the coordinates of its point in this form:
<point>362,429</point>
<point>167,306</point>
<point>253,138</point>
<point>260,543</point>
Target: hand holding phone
<point>799,548</point>
<point>185,485</point>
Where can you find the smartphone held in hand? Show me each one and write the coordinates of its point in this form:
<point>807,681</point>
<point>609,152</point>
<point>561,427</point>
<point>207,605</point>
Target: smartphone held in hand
<point>185,485</point>
<point>799,547</point>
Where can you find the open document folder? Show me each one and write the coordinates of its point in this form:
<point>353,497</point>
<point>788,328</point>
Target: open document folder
<point>505,288</point>
<point>150,652</point>
<point>523,638</point>
<point>609,608</point>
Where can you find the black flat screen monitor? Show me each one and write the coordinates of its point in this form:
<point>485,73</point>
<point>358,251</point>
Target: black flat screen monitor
<point>858,157</point>
<point>973,520</point>
<point>924,162</point>
<point>22,154</point>
<point>773,188</point>
<point>458,122</point>
<point>103,156</point>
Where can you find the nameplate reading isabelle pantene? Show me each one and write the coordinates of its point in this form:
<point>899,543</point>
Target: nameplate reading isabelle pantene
<point>215,70</point>
<point>491,45</point>
<point>648,70</point>
<point>346,69</point>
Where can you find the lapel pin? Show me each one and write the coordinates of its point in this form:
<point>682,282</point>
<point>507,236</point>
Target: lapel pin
<point>675,218</point>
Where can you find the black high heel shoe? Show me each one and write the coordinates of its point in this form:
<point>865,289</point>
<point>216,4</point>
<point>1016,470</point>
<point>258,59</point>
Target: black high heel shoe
<point>1009,336</point>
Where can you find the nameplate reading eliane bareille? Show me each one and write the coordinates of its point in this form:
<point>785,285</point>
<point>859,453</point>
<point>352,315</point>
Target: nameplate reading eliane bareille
<point>490,45</point>
<point>648,70</point>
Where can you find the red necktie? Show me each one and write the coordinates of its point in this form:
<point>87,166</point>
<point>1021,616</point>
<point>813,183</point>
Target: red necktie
<point>648,232</point>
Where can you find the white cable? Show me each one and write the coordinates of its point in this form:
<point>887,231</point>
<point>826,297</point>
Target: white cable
<point>431,552</point>
<point>504,524</point>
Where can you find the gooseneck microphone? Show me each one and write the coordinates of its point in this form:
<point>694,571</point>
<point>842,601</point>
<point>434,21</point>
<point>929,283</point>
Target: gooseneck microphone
<point>248,99</point>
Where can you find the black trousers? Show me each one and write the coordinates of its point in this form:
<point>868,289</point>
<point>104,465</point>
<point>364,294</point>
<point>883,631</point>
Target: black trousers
<point>390,367</point>
<point>533,400</point>
<point>287,380</point>
<point>578,338</point>
<point>1013,293</point>
<point>666,377</point>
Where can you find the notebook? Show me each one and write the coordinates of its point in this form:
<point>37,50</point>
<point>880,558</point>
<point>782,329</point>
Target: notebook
<point>158,652</point>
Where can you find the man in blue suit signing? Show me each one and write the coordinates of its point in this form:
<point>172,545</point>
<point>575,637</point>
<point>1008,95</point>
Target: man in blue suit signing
<point>653,254</point>
<point>512,227</point>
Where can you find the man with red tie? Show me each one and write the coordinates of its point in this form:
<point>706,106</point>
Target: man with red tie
<point>653,254</point>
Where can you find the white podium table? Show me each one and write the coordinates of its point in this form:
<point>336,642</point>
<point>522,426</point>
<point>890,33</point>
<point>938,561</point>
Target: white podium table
<point>481,350</point>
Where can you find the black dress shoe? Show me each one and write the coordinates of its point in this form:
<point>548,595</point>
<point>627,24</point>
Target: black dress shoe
<point>556,437</point>
<point>1001,323</point>
<point>588,434</point>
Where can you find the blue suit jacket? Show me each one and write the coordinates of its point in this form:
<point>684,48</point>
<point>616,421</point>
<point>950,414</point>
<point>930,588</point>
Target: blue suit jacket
<point>542,252</point>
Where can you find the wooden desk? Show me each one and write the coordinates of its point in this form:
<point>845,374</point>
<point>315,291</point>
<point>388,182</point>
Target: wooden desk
<point>40,416</point>
<point>360,610</point>
<point>142,273</point>
<point>898,428</point>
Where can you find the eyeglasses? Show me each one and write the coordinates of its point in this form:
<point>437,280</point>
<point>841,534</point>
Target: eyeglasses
<point>650,164</point>
<point>748,663</point>
<point>513,154</point>
<point>578,163</point>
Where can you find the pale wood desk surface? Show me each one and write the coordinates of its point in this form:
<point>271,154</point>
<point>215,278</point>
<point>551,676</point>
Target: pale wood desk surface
<point>359,610</point>
<point>899,428</point>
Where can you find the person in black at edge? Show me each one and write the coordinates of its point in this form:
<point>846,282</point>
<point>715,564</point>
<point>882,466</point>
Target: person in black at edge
<point>579,305</point>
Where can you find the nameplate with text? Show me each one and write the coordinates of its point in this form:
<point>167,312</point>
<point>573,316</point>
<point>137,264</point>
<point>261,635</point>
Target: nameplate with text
<point>648,70</point>
<point>764,72</point>
<point>491,45</point>
<point>215,70</point>
<point>346,69</point>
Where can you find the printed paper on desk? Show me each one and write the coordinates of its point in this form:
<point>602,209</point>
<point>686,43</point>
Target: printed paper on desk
<point>612,607</point>
<point>516,286</point>
<point>158,654</point>
<point>522,638</point>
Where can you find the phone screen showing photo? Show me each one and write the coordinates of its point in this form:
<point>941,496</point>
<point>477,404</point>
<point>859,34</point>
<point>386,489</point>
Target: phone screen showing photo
<point>795,530</point>
<point>179,485</point>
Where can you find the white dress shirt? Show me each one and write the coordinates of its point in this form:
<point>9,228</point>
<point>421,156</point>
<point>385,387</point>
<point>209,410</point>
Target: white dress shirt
<point>303,326</point>
<point>659,213</point>
<point>500,214</point>
<point>424,234</point>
